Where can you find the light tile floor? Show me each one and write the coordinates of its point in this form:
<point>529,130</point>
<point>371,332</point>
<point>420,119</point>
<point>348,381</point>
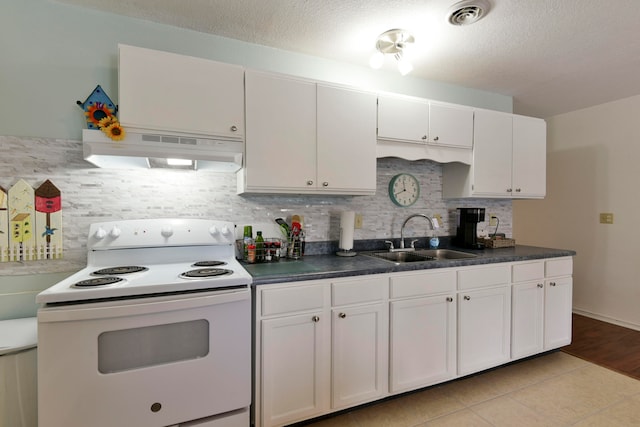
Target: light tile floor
<point>555,389</point>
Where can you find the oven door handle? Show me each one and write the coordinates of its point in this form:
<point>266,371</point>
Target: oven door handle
<point>142,306</point>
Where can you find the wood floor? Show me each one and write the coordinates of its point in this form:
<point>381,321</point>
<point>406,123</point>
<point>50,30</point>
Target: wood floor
<point>607,345</point>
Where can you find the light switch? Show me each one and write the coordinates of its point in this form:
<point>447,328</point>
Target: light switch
<point>606,218</point>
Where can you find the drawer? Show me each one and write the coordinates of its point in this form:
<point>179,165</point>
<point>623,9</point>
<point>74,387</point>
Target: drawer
<point>431,283</point>
<point>527,271</point>
<point>470,278</point>
<point>303,297</point>
<point>361,290</point>
<point>559,267</point>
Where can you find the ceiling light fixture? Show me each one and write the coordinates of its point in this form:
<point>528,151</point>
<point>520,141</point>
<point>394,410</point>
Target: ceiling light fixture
<point>393,42</point>
<point>467,12</point>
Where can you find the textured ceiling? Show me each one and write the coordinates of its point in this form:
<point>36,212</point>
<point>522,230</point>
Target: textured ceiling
<point>552,56</point>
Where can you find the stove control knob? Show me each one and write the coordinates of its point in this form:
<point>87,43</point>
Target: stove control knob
<point>101,233</point>
<point>213,230</point>
<point>225,231</point>
<point>167,231</point>
<point>115,231</point>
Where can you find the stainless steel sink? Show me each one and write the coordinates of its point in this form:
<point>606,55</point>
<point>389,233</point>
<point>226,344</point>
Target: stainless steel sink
<point>444,253</point>
<point>420,255</point>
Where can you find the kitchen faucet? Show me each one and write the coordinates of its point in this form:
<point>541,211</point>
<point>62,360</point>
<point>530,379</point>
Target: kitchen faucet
<point>405,223</point>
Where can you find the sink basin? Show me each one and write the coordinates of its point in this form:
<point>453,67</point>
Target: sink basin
<point>400,257</point>
<point>444,254</point>
<point>420,255</point>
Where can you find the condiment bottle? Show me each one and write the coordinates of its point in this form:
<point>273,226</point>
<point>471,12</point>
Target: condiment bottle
<point>259,247</point>
<point>248,239</point>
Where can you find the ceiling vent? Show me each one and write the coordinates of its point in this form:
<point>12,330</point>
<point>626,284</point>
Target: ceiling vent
<point>468,11</point>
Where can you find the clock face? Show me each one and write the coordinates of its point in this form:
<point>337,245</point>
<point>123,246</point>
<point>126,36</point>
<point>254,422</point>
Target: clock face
<point>404,189</point>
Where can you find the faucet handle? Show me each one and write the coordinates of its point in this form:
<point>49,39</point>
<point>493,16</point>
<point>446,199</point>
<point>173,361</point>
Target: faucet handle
<point>413,243</point>
<point>390,244</point>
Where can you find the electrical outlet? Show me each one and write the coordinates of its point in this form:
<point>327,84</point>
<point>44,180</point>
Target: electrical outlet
<point>358,221</point>
<point>493,220</point>
<point>606,218</point>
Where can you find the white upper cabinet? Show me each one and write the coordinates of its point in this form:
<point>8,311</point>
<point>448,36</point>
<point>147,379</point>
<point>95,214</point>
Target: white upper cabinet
<point>403,119</point>
<point>303,137</point>
<point>509,159</point>
<point>169,93</point>
<point>450,125</point>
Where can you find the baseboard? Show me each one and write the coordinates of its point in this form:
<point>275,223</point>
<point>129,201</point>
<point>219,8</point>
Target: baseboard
<point>607,319</point>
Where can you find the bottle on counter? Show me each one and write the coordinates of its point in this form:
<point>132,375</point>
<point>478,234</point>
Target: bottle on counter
<point>247,240</point>
<point>259,247</point>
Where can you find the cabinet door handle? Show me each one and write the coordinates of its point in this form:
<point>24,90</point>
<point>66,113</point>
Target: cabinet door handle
<point>540,285</point>
<point>467,297</point>
<point>342,315</point>
<point>315,319</point>
<point>435,138</point>
<point>552,283</point>
<point>449,299</point>
<point>509,190</point>
<point>309,182</point>
<point>234,128</point>
<point>517,190</point>
<point>424,137</point>
<point>325,184</point>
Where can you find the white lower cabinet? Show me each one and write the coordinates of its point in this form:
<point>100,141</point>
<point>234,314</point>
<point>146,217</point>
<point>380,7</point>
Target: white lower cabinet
<point>422,330</point>
<point>326,345</point>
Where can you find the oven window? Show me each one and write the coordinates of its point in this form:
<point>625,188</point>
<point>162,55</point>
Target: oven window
<point>152,345</point>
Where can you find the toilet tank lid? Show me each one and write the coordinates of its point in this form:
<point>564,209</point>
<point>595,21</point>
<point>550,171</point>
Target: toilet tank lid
<point>18,334</point>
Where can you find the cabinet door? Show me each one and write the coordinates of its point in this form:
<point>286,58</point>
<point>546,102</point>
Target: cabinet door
<point>281,132</point>
<point>346,138</point>
<point>182,94</point>
<point>529,157</point>
<point>403,119</point>
<point>360,343</point>
<point>294,378</point>
<point>527,322</point>
<point>557,316</point>
<point>492,136</point>
<point>484,328</point>
<point>423,342</point>
<point>450,125</point>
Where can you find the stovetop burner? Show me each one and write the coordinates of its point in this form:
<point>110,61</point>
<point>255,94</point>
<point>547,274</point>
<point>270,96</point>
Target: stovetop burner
<point>208,263</point>
<point>126,269</point>
<point>99,281</point>
<point>205,272</point>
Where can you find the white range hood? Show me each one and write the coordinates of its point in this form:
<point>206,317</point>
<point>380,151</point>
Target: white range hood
<point>147,150</point>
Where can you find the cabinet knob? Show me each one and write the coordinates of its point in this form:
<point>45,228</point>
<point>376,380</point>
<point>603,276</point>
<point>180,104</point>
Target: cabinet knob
<point>325,184</point>
<point>309,182</point>
<point>234,128</point>
<point>424,137</point>
<point>342,315</point>
<point>315,319</point>
<point>435,138</point>
<point>467,297</point>
<point>509,190</point>
<point>517,190</point>
<point>540,285</point>
<point>552,283</point>
<point>449,299</point>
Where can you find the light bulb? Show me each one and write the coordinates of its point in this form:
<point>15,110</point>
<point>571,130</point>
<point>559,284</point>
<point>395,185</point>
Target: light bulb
<point>179,162</point>
<point>376,61</point>
<point>404,66</point>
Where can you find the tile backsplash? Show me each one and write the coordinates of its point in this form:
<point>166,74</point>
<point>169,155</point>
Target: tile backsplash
<point>91,195</point>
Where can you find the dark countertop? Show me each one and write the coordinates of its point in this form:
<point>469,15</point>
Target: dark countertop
<point>313,267</point>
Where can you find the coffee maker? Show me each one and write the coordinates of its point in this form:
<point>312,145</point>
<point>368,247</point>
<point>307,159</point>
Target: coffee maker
<point>467,231</point>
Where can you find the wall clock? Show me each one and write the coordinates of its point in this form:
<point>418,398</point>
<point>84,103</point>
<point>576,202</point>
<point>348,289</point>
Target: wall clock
<point>404,189</point>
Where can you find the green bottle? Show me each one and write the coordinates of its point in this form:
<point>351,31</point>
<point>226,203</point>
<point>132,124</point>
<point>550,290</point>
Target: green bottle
<point>259,247</point>
<point>248,239</point>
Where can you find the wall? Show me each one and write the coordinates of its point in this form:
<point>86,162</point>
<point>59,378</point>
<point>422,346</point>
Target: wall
<point>592,167</point>
<point>55,54</point>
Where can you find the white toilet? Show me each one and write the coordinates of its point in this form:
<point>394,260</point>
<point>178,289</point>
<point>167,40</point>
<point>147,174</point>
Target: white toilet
<point>18,372</point>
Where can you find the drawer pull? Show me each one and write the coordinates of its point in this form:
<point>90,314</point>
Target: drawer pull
<point>315,319</point>
<point>467,297</point>
<point>552,283</point>
<point>449,299</point>
<point>342,315</point>
<point>540,285</point>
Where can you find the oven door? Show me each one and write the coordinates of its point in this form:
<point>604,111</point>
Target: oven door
<point>144,362</point>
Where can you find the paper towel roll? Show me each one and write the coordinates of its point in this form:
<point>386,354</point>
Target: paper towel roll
<point>347,224</point>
